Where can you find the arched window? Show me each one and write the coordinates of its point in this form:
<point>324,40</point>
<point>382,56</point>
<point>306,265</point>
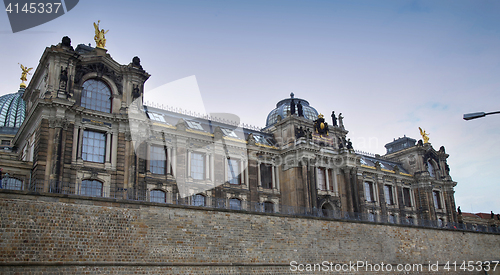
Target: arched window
<point>235,204</point>
<point>12,183</point>
<point>268,207</point>
<point>96,95</point>
<point>91,188</point>
<point>157,196</point>
<point>371,217</point>
<point>327,210</point>
<point>199,200</point>
<point>430,168</point>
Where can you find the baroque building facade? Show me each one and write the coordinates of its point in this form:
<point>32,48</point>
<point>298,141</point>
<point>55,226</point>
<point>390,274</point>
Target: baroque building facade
<point>85,131</point>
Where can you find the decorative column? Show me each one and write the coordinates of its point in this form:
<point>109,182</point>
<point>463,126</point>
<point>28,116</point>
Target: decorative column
<point>80,143</point>
<point>174,162</point>
<point>148,156</point>
<point>188,170</point>
<point>272,177</point>
<point>258,175</point>
<point>327,179</point>
<point>207,166</point>
<point>277,177</point>
<point>74,153</point>
<point>246,174</point>
<point>242,170</point>
<point>169,161</point>
<point>108,148</point>
<point>114,151</point>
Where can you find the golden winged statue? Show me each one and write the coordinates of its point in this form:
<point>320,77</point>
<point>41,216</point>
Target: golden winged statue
<point>24,75</point>
<point>100,41</point>
<point>424,135</point>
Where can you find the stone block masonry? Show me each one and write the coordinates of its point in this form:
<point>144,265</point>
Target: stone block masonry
<point>60,234</point>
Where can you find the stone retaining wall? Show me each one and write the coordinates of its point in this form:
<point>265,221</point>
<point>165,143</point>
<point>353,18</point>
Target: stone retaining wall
<point>58,234</point>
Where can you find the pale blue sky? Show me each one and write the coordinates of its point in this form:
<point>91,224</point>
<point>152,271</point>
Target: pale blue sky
<point>388,66</point>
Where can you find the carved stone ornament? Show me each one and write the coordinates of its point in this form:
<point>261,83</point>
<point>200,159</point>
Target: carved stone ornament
<point>136,91</point>
<point>58,123</point>
<point>412,160</point>
<point>251,140</point>
<point>101,70</point>
<point>93,174</point>
<point>63,79</point>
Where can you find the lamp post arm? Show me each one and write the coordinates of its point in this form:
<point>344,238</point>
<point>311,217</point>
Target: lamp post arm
<point>497,112</point>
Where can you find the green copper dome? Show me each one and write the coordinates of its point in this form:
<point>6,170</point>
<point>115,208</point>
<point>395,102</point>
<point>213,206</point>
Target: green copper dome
<point>12,110</point>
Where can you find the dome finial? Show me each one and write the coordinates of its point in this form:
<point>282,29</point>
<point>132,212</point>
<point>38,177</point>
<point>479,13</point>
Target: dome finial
<point>291,94</point>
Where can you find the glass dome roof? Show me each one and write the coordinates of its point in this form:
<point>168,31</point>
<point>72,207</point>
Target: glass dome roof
<point>283,110</point>
<point>12,109</point>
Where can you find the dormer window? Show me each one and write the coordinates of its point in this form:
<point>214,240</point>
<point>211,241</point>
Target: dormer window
<point>229,133</point>
<point>96,95</point>
<point>194,125</point>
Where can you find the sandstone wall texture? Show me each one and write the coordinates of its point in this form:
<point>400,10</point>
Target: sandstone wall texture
<point>60,234</point>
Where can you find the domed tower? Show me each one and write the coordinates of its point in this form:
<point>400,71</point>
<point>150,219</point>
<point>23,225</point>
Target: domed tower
<point>12,114</point>
<point>283,109</point>
<point>293,118</point>
<point>317,169</point>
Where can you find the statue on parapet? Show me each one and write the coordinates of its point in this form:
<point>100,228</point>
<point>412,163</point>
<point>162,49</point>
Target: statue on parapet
<point>425,136</point>
<point>299,132</point>
<point>99,38</point>
<point>341,121</point>
<point>300,110</point>
<point>321,126</point>
<point>334,119</point>
<point>349,145</point>
<point>308,133</point>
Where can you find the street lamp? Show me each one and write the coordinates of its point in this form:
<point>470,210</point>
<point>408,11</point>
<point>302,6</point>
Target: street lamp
<point>478,115</point>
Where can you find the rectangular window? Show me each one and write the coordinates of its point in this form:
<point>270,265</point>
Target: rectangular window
<point>233,171</point>
<point>234,204</point>
<point>389,199</point>
<point>94,146</point>
<point>321,179</point>
<point>197,166</point>
<point>407,197</point>
<point>266,175</point>
<point>199,200</point>
<point>437,199</point>
<point>369,192</point>
<point>157,162</point>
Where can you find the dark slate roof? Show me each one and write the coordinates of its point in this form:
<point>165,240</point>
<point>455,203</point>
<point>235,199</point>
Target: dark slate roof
<point>400,144</point>
<point>83,49</point>
<point>230,129</point>
<point>384,164</point>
